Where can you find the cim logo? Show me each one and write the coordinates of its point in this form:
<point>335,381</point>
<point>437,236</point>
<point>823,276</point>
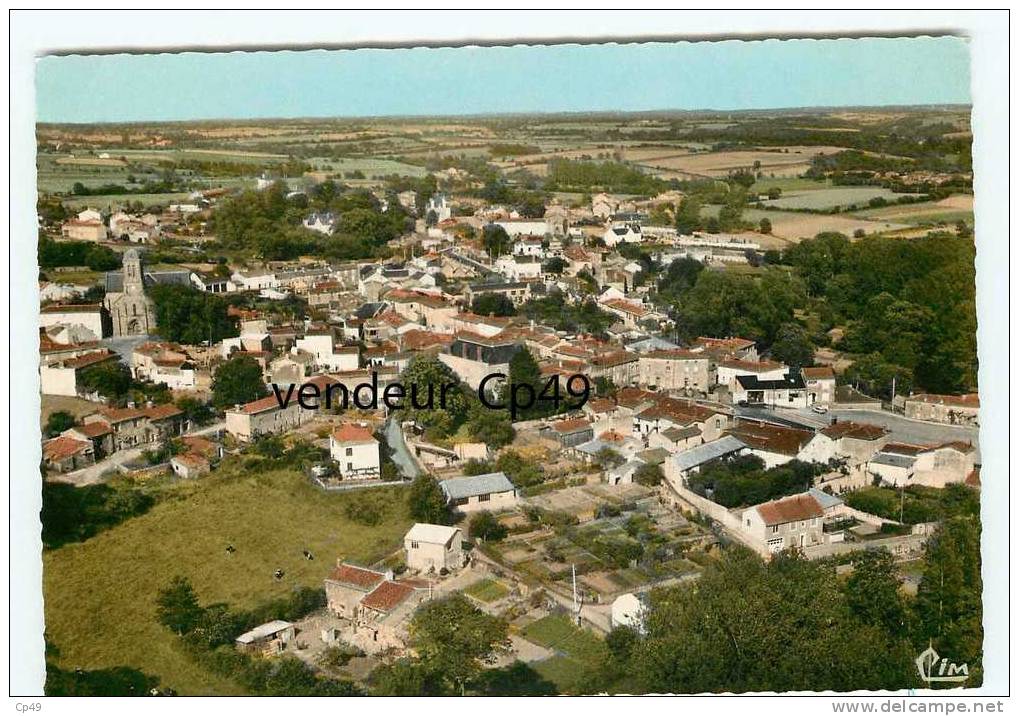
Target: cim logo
<point>934,669</point>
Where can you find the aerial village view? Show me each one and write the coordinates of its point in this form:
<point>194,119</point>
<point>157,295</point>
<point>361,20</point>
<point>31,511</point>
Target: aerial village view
<point>509,404</point>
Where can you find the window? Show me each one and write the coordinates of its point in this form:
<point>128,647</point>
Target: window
<point>350,466</point>
<point>484,498</point>
<point>350,451</point>
<point>774,529</point>
<point>414,545</point>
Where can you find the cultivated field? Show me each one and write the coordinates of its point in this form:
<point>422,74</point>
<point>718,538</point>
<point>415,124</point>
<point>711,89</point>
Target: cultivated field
<point>779,162</point>
<point>794,226</point>
<point>99,594</point>
<point>958,207</point>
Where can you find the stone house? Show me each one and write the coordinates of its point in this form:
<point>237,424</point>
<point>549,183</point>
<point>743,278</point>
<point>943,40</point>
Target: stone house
<point>950,409</point>
<point>264,417</point>
<point>674,370</point>
<point>795,521</point>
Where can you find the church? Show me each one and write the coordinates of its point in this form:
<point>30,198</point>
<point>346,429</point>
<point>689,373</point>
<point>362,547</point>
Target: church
<point>131,311</point>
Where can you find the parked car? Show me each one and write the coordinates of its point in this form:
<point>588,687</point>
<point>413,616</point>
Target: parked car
<point>820,409</point>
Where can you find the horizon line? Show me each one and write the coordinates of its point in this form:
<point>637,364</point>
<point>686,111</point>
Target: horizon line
<point>522,114</point>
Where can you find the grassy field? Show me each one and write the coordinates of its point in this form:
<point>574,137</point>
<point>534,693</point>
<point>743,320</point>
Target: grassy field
<point>99,594</point>
<point>487,590</point>
<point>822,198</point>
<point>579,652</point>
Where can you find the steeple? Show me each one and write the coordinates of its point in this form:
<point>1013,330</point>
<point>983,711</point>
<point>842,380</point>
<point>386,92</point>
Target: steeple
<point>133,281</point>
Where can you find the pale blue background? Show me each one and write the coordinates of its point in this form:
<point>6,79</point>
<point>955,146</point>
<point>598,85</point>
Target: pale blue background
<point>727,75</point>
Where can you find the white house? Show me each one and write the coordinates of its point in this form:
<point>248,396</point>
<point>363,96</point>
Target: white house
<point>356,452</point>
<point>432,548</point>
<point>730,369</point>
<point>323,222</point>
<point>623,234</point>
<point>900,464</point>
<point>438,204</point>
<point>328,355</point>
<point>528,246</point>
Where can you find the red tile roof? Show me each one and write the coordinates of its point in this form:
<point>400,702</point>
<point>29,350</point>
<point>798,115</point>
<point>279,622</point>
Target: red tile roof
<point>762,366</point>
<point>261,405</point>
<point>790,509</point>
<point>63,447</point>
<point>730,344</point>
<point>84,361</point>
<point>353,434</point>
<point>772,438</point>
<point>162,412</point>
<point>416,339</point>
<point>857,431</point>
<point>359,577</point>
<point>824,372</point>
<point>94,429</point>
<point>970,400</point>
<point>608,360</point>
<point>71,308</point>
<point>634,309</point>
<point>574,425</point>
<point>387,596</point>
<point>674,354</point>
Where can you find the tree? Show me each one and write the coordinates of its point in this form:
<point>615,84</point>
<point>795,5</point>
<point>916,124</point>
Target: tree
<point>604,386</point>
<point>187,315</point>
<point>427,380</point>
<point>427,502</point>
<point>872,592</point>
<point>765,225</point>
<point>58,422</point>
<point>493,304</point>
<point>406,677</point>
<point>486,527</point>
<point>110,379</point>
<point>196,411</point>
<point>688,215</point>
<point>455,638</point>
<point>115,681</point>
<point>555,265</point>
<point>726,632</point>
<point>177,606</point>
<point>492,427</point>
<point>495,240</point>
<point>948,605</point>
<point>648,475</point>
<point>793,346</point>
<point>524,370</point>
<point>238,381</point>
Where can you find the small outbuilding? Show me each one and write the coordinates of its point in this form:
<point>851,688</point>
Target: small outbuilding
<point>267,639</point>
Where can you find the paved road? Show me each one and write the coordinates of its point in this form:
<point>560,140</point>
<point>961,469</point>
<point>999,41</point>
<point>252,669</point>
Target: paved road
<point>401,454</point>
<point>103,470</point>
<point>902,429</point>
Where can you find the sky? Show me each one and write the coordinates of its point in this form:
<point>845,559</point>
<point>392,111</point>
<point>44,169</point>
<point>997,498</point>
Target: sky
<point>722,75</point>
